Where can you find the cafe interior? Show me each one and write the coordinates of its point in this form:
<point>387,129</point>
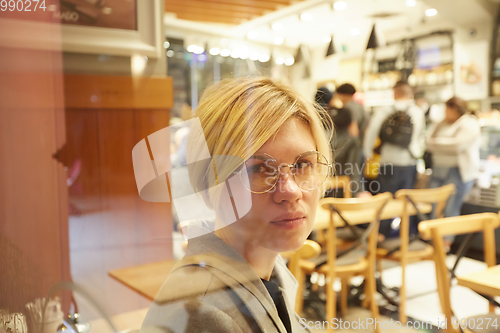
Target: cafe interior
<point>85,83</point>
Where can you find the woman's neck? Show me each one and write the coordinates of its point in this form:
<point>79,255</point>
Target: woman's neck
<point>261,259</point>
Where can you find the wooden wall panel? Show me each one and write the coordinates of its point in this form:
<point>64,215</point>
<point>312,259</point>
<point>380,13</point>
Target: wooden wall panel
<point>34,253</point>
<point>82,144</point>
<point>125,230</point>
<point>117,92</point>
<point>116,228</point>
<point>116,140</point>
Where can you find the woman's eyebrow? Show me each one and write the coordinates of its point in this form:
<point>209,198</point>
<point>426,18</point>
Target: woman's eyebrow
<point>265,157</point>
<point>261,157</point>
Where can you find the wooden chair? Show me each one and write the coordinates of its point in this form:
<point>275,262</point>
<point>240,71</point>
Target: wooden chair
<point>337,182</point>
<point>298,264</point>
<point>345,238</point>
<point>467,224</point>
<point>400,249</point>
<point>358,262</point>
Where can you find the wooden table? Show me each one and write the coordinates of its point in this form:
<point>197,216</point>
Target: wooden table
<point>144,279</point>
<point>485,282</point>
<point>392,209</point>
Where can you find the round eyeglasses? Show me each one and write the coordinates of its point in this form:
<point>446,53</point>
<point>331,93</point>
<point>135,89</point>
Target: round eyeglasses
<point>309,171</point>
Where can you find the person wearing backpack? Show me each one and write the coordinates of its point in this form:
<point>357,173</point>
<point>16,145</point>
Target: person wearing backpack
<point>400,129</point>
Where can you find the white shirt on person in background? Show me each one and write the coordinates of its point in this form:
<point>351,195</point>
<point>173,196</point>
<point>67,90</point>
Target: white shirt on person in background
<point>390,153</point>
<point>463,139</point>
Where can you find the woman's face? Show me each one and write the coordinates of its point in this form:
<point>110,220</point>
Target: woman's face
<point>281,220</point>
<point>451,114</point>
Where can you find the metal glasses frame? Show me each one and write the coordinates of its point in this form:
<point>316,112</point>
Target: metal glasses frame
<point>329,165</point>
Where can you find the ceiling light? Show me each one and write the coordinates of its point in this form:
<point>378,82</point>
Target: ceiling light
<point>340,5</point>
<point>170,53</point>
<point>235,54</point>
<point>431,12</point>
<point>376,39</point>
<point>326,39</point>
<point>254,56</point>
<point>243,53</point>
<point>289,62</point>
<point>411,3</point>
<point>192,48</point>
<point>279,40</point>
<point>306,17</point>
<point>264,58</point>
<point>280,61</point>
<point>252,34</point>
<point>166,45</point>
<point>214,51</point>
<point>277,26</point>
<point>225,52</point>
<point>298,54</point>
<point>199,50</point>
<point>355,31</point>
<point>331,48</point>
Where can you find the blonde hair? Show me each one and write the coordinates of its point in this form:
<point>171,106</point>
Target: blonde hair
<point>238,116</point>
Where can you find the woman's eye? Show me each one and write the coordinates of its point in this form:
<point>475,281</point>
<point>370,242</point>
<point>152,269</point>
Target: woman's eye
<point>303,164</point>
<point>256,168</point>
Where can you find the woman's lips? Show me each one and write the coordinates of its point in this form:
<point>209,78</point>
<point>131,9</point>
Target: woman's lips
<point>290,223</point>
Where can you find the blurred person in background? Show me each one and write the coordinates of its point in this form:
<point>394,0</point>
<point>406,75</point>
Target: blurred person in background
<point>345,94</point>
<point>454,144</point>
<point>398,151</point>
<point>356,129</point>
<point>345,148</point>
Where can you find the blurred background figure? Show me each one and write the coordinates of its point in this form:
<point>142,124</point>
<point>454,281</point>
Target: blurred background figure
<point>345,147</point>
<point>454,144</point>
<point>345,94</point>
<point>360,118</point>
<point>404,124</point>
<point>324,97</point>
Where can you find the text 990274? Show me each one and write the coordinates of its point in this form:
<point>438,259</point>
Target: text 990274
<point>22,5</point>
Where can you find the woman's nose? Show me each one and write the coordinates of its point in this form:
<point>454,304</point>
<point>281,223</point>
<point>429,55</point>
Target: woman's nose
<point>287,189</point>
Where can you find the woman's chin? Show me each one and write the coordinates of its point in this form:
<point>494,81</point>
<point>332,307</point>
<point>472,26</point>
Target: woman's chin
<point>288,245</point>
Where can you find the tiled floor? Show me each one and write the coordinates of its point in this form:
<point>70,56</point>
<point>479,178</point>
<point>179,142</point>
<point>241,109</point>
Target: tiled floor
<point>117,237</point>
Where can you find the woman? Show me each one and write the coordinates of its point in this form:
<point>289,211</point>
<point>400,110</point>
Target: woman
<point>454,144</point>
<point>259,161</point>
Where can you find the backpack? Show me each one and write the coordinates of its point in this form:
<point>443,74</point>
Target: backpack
<point>397,129</point>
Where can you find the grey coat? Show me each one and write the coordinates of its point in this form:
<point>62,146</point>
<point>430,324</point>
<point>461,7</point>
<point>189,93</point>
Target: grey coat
<point>214,289</point>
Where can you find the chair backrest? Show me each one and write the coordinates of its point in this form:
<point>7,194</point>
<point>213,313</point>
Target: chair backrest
<point>336,182</point>
<point>485,223</point>
<point>371,205</point>
<point>438,196</point>
<point>309,250</point>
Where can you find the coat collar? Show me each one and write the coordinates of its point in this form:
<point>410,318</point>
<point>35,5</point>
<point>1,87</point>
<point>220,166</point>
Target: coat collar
<point>229,266</point>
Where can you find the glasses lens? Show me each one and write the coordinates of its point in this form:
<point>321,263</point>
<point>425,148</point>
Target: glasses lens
<point>310,170</point>
<point>262,173</point>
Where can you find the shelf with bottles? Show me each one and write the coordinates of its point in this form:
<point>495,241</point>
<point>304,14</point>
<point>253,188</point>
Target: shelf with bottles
<point>440,76</point>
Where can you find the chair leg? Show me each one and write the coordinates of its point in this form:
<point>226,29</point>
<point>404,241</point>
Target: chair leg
<point>371,290</point>
<point>379,267</point>
<point>299,300</point>
<point>344,292</point>
<point>439,287</point>
<point>402,295</point>
<point>331,300</point>
<point>366,301</point>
